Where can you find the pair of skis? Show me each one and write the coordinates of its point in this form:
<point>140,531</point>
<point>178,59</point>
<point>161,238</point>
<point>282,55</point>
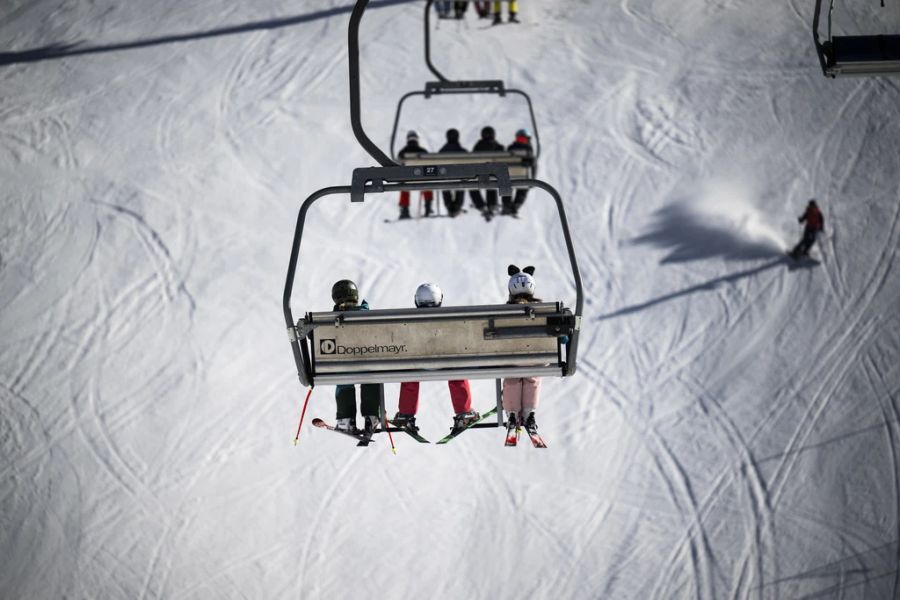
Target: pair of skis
<point>514,430</point>
<point>365,438</point>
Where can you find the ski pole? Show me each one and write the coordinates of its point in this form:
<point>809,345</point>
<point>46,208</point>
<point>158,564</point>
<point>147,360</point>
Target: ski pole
<point>390,437</point>
<point>302,413</point>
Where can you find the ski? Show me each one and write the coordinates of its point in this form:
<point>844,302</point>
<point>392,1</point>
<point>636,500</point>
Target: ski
<point>512,436</point>
<point>512,433</point>
<point>455,432</point>
<point>801,261</point>
<point>536,440</point>
<point>410,432</point>
<point>362,438</point>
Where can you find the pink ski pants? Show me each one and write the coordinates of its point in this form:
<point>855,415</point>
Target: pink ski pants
<point>521,395</point>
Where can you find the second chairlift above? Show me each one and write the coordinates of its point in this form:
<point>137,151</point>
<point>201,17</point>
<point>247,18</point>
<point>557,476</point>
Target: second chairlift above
<point>522,164</point>
<point>855,54</point>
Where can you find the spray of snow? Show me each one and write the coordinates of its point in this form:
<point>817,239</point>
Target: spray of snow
<point>720,219</point>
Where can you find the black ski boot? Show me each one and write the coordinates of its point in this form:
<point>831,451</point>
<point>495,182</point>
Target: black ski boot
<point>405,421</point>
<point>464,419</point>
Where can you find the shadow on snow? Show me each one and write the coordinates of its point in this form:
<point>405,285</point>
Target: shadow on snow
<point>705,286</point>
<point>62,50</point>
<point>691,235</point>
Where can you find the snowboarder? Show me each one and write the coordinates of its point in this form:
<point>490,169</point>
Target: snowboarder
<point>430,295</point>
<point>455,199</point>
<point>513,7</point>
<point>346,297</point>
<point>815,222</point>
<point>412,147</point>
<point>521,394</point>
<point>522,143</point>
<point>487,143</point>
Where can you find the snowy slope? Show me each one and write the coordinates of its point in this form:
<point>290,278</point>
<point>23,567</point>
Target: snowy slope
<point>732,432</point>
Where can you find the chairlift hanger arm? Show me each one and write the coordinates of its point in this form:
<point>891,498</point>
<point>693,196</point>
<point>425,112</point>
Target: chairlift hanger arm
<point>820,47</point>
<point>428,62</point>
<point>355,110</point>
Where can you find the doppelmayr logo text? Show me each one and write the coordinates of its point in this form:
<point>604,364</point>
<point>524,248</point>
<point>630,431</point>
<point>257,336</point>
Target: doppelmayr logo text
<point>329,346</point>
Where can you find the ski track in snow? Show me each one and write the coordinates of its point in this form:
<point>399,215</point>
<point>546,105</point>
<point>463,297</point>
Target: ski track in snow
<point>146,363</point>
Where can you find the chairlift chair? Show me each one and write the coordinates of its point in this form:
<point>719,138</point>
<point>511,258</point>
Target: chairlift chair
<point>522,164</point>
<point>444,343</point>
<point>855,54</point>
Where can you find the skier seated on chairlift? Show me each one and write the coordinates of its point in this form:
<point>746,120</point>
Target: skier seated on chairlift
<point>513,7</point>
<point>511,206</point>
<point>430,295</point>
<point>455,199</point>
<point>413,147</point>
<point>815,223</point>
<point>521,395</point>
<point>487,143</point>
<point>346,297</point>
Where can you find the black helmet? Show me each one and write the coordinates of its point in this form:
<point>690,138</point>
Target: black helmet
<point>487,133</point>
<point>344,292</point>
<point>452,135</point>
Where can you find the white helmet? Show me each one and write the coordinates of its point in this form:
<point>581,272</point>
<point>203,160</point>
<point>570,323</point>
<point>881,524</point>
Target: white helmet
<point>428,294</point>
<point>521,284</point>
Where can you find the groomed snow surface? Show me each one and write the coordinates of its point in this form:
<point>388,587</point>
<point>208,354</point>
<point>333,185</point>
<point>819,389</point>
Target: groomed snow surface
<point>732,431</point>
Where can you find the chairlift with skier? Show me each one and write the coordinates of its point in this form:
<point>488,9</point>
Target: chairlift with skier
<point>428,344</point>
<point>522,164</point>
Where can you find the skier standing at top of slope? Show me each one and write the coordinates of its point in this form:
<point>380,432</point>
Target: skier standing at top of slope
<point>412,147</point>
<point>513,6</point>
<point>430,295</point>
<point>346,297</point>
<point>815,223</point>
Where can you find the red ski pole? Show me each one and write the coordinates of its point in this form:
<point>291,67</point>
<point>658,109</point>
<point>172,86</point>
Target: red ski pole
<point>302,414</point>
<point>390,437</point>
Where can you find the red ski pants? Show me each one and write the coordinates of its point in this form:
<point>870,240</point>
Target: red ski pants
<point>427,195</point>
<point>460,395</point>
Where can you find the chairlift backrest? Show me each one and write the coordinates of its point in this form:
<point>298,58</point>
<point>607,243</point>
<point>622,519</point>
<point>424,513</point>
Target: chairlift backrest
<point>446,343</point>
<point>520,162</point>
